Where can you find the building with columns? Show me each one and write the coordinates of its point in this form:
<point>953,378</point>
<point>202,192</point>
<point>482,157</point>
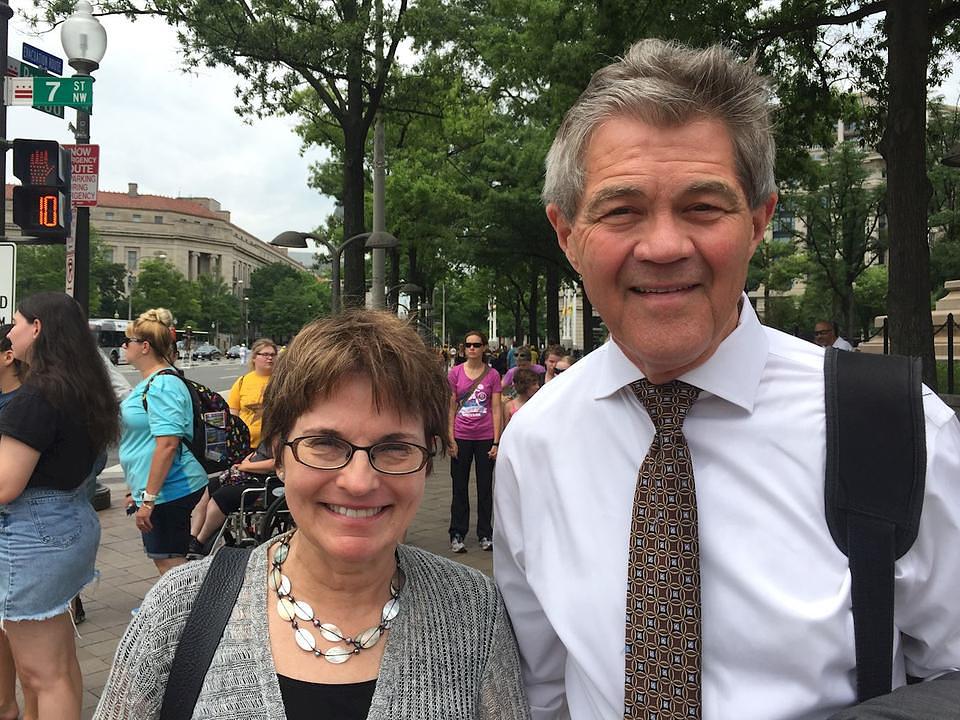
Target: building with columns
<point>192,233</point>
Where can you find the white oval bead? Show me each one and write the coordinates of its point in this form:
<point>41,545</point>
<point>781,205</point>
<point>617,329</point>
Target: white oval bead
<point>391,609</point>
<point>368,638</point>
<point>330,632</point>
<point>280,554</point>
<point>338,655</point>
<point>305,639</point>
<point>285,609</point>
<point>303,610</point>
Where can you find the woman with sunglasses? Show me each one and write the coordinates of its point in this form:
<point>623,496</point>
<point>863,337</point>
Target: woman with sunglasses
<point>378,629</point>
<point>51,431</point>
<point>475,423</point>
<point>164,477</point>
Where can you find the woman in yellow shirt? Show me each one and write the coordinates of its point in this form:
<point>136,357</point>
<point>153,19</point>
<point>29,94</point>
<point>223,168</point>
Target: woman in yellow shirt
<point>246,395</point>
<point>246,400</point>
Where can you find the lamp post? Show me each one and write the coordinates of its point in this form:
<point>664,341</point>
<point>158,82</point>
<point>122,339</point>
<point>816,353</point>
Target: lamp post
<point>374,241</point>
<point>129,295</point>
<point>406,288</point>
<point>246,320</point>
<point>84,42</point>
<point>952,158</point>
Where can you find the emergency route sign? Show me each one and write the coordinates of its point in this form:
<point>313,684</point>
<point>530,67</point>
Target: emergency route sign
<point>84,174</point>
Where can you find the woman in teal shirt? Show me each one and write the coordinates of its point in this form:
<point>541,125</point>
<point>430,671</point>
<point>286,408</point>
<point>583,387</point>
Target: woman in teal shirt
<point>165,480</point>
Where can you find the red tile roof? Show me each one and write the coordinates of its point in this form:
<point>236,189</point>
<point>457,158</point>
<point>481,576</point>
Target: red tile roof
<point>148,202</point>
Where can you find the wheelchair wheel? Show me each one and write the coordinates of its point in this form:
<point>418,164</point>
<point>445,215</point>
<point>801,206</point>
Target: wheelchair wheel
<point>275,521</point>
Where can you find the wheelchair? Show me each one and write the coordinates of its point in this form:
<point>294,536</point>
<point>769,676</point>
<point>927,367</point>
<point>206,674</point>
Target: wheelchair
<point>262,515</point>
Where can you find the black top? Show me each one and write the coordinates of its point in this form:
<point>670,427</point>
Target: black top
<point>304,700</point>
<point>66,452</point>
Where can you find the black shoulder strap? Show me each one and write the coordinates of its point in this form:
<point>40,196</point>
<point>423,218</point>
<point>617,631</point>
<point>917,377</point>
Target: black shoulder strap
<point>876,464</point>
<point>202,632</point>
<point>168,371</point>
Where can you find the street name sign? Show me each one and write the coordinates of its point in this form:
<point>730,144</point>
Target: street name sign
<point>16,68</point>
<point>76,92</point>
<point>84,174</point>
<point>41,58</point>
<point>8,281</point>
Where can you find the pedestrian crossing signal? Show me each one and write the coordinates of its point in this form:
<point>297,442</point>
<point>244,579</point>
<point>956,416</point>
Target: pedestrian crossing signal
<point>41,205</point>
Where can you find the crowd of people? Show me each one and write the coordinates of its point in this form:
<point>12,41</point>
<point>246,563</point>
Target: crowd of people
<point>658,523</point>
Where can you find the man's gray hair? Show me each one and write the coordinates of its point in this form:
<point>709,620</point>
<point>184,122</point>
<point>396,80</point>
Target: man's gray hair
<point>667,84</point>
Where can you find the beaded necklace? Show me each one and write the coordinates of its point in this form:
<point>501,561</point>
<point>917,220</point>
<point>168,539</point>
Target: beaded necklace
<point>293,611</point>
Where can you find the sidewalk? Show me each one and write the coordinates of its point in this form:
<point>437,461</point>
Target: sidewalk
<point>126,574</point>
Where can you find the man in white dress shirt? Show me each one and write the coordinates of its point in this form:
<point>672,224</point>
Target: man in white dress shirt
<point>827,334</point>
<point>659,185</point>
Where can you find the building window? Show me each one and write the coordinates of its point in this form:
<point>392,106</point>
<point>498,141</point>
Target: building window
<point>158,219</point>
<point>137,217</point>
<point>108,254</point>
<point>132,258</point>
<point>109,215</point>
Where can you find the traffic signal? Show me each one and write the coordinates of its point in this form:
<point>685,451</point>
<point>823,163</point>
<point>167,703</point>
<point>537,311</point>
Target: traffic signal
<point>41,205</point>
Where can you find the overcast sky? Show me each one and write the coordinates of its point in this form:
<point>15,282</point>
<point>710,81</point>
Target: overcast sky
<point>176,134</point>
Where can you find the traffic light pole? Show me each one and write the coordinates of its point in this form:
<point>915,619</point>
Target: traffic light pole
<point>6,12</point>
<point>81,271</point>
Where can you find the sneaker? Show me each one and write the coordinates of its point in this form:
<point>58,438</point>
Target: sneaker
<point>456,544</point>
<point>195,550</point>
<point>486,544</point>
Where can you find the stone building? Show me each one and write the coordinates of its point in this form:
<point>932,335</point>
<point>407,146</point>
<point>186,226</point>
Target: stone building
<point>192,233</point>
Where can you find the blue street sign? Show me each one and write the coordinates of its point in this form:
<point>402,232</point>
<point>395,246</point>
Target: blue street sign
<point>42,59</point>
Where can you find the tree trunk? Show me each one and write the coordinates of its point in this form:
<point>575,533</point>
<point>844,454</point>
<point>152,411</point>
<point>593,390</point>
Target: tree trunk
<point>908,188</point>
<point>533,309</point>
<point>518,317</point>
<point>553,303</point>
<point>588,343</point>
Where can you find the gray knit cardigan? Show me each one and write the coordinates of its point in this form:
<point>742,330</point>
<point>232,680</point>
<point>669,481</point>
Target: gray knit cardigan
<point>450,653</point>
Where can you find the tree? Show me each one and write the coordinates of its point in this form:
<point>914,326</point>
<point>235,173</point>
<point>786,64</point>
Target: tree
<point>160,284</point>
<point>943,135</point>
<point>887,48</point>
<point>219,308</point>
<point>281,300</point>
<point>840,213</point>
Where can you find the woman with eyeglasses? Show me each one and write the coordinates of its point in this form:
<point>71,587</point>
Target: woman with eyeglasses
<point>246,394</point>
<point>51,431</point>
<point>474,426</point>
<point>338,618</point>
<point>164,477</point>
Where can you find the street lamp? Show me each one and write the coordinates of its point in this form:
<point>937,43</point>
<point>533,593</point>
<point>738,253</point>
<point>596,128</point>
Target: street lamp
<point>129,295</point>
<point>84,42</point>
<point>246,320</point>
<point>374,241</point>
<point>952,158</point>
<point>406,288</point>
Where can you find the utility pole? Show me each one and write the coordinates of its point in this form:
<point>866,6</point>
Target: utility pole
<point>378,280</point>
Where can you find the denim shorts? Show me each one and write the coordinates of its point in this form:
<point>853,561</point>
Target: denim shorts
<point>170,536</point>
<point>48,547</point>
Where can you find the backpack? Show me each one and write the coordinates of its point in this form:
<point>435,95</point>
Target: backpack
<point>874,483</point>
<point>220,439</point>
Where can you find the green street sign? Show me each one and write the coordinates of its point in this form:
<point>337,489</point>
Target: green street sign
<point>30,71</point>
<point>75,92</point>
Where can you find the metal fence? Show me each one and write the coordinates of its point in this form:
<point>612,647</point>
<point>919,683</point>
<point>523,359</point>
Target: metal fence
<point>948,328</point>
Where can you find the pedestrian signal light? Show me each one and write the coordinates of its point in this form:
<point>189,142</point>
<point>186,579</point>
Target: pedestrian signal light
<point>41,205</point>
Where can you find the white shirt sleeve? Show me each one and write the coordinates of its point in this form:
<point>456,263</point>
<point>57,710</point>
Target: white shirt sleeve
<point>542,655</point>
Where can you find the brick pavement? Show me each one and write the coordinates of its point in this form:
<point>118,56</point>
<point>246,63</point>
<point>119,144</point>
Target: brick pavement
<point>126,574</point>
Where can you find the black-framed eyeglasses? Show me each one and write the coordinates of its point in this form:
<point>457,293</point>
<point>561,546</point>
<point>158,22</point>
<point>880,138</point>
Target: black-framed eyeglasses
<point>473,345</point>
<point>327,452</point>
<point>127,340</point>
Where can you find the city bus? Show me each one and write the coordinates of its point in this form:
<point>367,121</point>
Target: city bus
<point>109,334</point>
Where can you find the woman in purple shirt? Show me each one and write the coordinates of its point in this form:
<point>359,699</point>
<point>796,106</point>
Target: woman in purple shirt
<point>475,424</point>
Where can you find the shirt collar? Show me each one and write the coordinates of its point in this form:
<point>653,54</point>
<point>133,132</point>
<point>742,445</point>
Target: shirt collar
<point>733,372</point>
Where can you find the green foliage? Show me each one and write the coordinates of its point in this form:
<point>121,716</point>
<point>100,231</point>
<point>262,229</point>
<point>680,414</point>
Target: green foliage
<point>281,300</point>
<point>160,284</point>
<point>219,307</point>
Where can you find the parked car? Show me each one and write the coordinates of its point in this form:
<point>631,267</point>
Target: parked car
<point>234,352</point>
<point>205,351</point>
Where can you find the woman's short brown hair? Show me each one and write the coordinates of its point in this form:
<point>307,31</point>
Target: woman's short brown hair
<point>403,374</point>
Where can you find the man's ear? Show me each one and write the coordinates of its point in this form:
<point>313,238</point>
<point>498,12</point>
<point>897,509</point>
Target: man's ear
<point>563,228</point>
<point>761,218</point>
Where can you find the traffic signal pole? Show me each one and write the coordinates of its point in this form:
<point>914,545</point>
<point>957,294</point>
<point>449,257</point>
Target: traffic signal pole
<point>6,12</point>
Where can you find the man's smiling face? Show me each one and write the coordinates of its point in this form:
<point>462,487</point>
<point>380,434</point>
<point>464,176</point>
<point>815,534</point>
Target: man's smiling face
<point>662,238</point>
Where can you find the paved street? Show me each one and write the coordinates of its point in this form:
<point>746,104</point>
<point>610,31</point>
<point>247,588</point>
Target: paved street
<point>126,574</point>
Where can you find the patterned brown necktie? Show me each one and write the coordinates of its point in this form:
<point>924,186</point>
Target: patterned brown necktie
<point>663,583</point>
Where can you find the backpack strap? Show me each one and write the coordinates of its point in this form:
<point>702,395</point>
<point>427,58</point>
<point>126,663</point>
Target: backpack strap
<point>166,371</point>
<point>202,632</point>
<point>466,395</point>
<point>875,471</point>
